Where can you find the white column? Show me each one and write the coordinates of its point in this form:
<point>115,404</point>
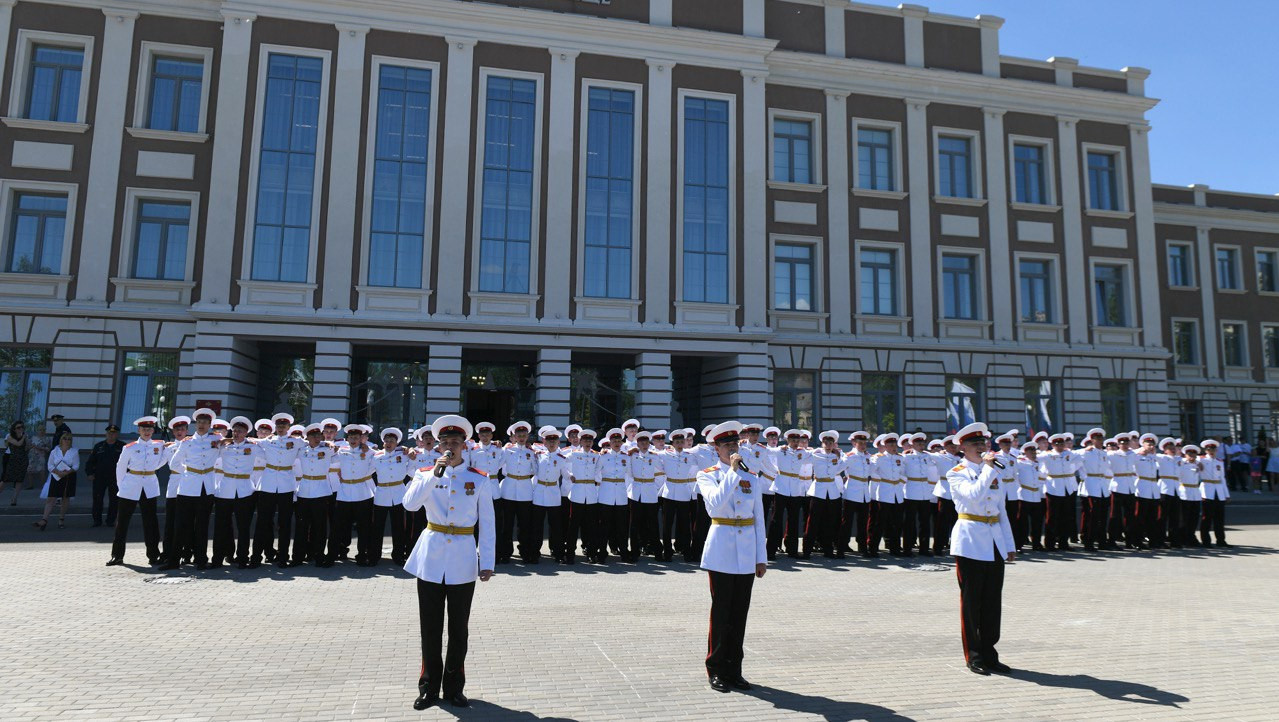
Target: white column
<point>1144,215</point>
<point>225,168</point>
<point>653,389</point>
<point>839,242</point>
<point>1001,276</point>
<point>659,13</point>
<point>340,232</point>
<point>920,251</point>
<point>331,388</point>
<point>1208,333</point>
<point>1072,225</point>
<point>990,25</point>
<point>6,19</point>
<point>443,381</point>
<point>104,159</point>
<point>753,18</point>
<point>754,294</point>
<point>554,380</point>
<point>914,30</point>
<point>657,194</point>
<point>456,191</point>
<point>559,183</point>
<point>835,29</point>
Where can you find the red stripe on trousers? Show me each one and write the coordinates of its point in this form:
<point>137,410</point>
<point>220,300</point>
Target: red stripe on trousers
<point>963,628</point>
<point>710,632</point>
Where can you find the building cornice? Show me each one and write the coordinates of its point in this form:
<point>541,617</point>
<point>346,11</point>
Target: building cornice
<point>1235,219</point>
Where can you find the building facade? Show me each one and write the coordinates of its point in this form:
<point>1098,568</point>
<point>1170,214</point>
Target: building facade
<point>823,213</point>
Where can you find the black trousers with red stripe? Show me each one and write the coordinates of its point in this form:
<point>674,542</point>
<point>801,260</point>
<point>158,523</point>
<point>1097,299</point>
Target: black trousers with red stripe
<point>432,601</point>
<point>1060,520</point>
<point>730,603</point>
<point>886,523</point>
<point>981,590</point>
<point>1214,520</point>
<point>946,518</point>
<point>823,523</point>
<point>1123,518</point>
<point>855,523</point>
<point>1169,521</point>
<point>918,520</point>
<point>1029,528</point>
<point>1093,522</point>
<point>786,523</point>
<point>1147,515</point>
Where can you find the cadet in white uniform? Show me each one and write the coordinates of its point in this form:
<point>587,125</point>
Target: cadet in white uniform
<point>552,475</point>
<point>791,492</point>
<point>448,557</point>
<point>313,470</point>
<point>824,493</point>
<point>354,499</point>
<point>678,492</point>
<point>647,474</point>
<point>233,519</point>
<point>1168,463</point>
<point>178,426</point>
<point>888,492</point>
<point>1215,493</point>
<point>1095,491</point>
<point>391,467</point>
<point>734,555</point>
<point>194,467</point>
<point>918,507</point>
<point>1123,489</point>
<point>276,488</point>
<point>1189,496</point>
<point>519,466</point>
<point>855,519</point>
<point>584,493</point>
<point>138,487</point>
<point>1058,466</point>
<point>1030,499</point>
<point>614,506</point>
<point>981,541</point>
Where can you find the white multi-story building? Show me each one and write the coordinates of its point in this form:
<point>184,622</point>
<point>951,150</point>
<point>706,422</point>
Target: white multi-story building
<point>826,213</point>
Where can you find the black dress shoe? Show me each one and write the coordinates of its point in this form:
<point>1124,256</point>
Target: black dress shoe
<point>739,682</point>
<point>425,700</point>
<point>718,684</point>
<point>169,566</point>
<point>254,564</point>
<point>978,668</point>
<point>216,564</point>
<point>459,700</point>
<point>999,668</point>
<point>115,562</point>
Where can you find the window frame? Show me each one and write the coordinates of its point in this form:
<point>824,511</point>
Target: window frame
<point>1130,322</point>
<point>978,288</point>
<point>25,390</point>
<point>1198,341</point>
<point>370,154</point>
<point>120,376</point>
<point>322,129</point>
<point>1256,260</point>
<point>1238,268</point>
<point>1270,361</point>
<point>978,395</point>
<point>1054,277</point>
<point>899,277</point>
<point>814,245</point>
<point>1130,401</point>
<point>678,291</point>
<point>26,41</point>
<point>9,188</point>
<point>975,161</point>
<point>637,147</point>
<point>899,393</point>
<point>147,52</point>
<point>1191,268</point>
<point>480,109</point>
<point>815,168</point>
<point>133,196</point>
<point>1050,172</point>
<point>815,390</point>
<point>1057,412</point>
<point>1121,178</point>
<point>1244,357</point>
<point>893,127</point>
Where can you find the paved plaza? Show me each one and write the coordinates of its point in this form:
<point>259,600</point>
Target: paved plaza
<point>1106,637</point>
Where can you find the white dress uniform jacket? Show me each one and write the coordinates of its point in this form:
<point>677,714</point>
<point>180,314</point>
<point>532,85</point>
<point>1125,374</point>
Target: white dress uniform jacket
<point>314,471</point>
<point>1212,477</point>
<point>977,493</point>
<point>680,481</point>
<point>355,474</point>
<point>1059,468</point>
<point>856,476</point>
<point>759,458</point>
<point>584,469</point>
<point>1097,474</point>
<point>615,475</point>
<point>194,465</point>
<point>135,471</point>
<point>280,452</point>
<point>942,461</point>
<point>1168,473</point>
<point>552,475</point>
<point>1030,480</point>
<point>1147,468</point>
<point>731,494</point>
<point>1188,480</point>
<point>487,459</point>
<point>391,469</point>
<point>1123,471</point>
<point>237,464</point>
<point>647,472</point>
<point>790,471</point>
<point>519,466</point>
<point>459,498</point>
<point>888,478</point>
<point>920,476</point>
<point>828,471</point>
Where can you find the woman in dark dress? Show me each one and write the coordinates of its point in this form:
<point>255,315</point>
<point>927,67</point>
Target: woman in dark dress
<point>18,445</point>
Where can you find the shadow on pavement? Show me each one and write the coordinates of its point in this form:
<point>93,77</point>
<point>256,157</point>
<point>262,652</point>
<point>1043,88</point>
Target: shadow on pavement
<point>481,710</point>
<point>1108,688</point>
<point>832,710</point>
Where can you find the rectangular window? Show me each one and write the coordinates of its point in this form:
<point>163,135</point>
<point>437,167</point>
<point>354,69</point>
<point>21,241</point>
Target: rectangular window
<point>1270,346</point>
<point>1238,421</point>
<point>610,192</point>
<point>175,94</point>
<point>881,403</point>
<point>706,190</point>
<point>955,166</point>
<point>1228,269</point>
<point>24,387</point>
<point>286,168</point>
<point>1190,416</point>
<point>1036,280</point>
<point>1103,181</point>
<point>1117,405</point>
<point>792,151</point>
<point>160,239</point>
<point>1268,271</point>
<point>1110,286</point>
<point>793,277</point>
<point>397,216</point>
<point>506,221</point>
<point>963,401</point>
<point>1029,169</point>
<point>149,385</point>
<point>795,399</point>
<point>37,230</point>
<point>1233,351</point>
<point>1180,270</point>
<point>1185,342</point>
<point>875,162</point>
<point>53,83</point>
<point>879,281</point>
<point>959,286</point>
<point>1043,409</point>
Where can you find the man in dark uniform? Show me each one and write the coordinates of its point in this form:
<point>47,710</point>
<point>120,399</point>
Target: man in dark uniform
<point>100,468</point>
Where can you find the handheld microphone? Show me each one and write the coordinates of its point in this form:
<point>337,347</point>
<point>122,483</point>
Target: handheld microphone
<point>998,464</point>
<point>439,468</point>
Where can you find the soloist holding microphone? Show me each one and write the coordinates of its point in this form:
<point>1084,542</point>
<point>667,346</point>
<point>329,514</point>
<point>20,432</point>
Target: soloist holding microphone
<point>982,540</point>
<point>445,559</point>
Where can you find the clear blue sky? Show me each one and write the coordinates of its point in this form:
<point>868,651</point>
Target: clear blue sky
<point>1213,67</point>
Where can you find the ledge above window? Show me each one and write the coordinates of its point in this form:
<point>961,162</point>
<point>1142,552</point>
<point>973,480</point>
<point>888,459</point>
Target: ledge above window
<point>1115,215</point>
<point>1041,332</point>
<point>957,201</point>
<point>504,305</point>
<point>591,309</point>
<point>151,292</point>
<point>1237,373</point>
<point>875,193</point>
<point>1116,335</point>
<point>800,187</point>
<point>51,125</point>
<point>963,328</point>
<point>1034,207</point>
<point>1188,371</point>
<point>693,313</point>
<point>172,135</point>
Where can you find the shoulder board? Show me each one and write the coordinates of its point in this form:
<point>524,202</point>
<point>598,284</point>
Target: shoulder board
<point>131,443</point>
<point>481,473</point>
<point>958,467</point>
<point>710,468</point>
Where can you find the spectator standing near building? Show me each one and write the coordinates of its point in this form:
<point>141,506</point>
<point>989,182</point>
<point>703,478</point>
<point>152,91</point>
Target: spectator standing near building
<point>100,469</point>
<point>64,462</point>
<point>18,455</point>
